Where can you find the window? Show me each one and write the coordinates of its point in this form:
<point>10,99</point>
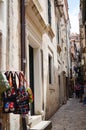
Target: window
<point>0,48</point>
<point>59,80</point>
<point>42,64</point>
<point>49,12</point>
<point>57,33</point>
<point>50,68</point>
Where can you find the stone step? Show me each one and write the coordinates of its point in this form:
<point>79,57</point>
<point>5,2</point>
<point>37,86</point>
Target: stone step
<point>43,125</point>
<point>33,120</point>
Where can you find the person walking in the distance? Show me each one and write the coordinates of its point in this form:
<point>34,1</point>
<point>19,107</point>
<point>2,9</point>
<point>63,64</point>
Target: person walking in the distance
<point>77,90</point>
<point>81,91</point>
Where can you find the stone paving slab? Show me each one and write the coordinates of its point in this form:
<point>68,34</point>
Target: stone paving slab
<point>71,116</point>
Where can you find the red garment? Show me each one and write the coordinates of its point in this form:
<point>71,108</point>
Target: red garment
<point>77,87</point>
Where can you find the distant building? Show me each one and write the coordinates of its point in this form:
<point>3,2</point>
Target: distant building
<point>75,50</point>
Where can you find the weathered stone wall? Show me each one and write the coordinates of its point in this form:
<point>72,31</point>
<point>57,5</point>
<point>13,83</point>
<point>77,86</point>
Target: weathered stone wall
<point>14,35</point>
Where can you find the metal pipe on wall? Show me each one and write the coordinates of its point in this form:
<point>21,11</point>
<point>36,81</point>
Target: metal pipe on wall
<point>22,16</point>
<point>22,9</point>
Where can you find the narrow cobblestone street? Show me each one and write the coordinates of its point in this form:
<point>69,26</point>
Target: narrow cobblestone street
<point>71,116</point>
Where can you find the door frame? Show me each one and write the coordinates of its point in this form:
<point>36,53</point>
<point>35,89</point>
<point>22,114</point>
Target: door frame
<point>37,75</point>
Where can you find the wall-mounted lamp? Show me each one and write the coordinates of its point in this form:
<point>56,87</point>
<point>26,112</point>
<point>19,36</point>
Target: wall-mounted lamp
<point>82,61</point>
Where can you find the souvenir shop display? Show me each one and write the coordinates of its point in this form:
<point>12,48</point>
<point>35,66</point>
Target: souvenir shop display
<point>16,97</point>
<point>30,94</point>
<point>4,85</point>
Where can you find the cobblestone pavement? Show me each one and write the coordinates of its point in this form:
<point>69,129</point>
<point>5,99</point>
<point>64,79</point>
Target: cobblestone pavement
<point>71,116</point>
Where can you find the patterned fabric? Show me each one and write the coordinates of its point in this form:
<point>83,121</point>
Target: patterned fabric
<point>16,97</point>
<point>4,84</point>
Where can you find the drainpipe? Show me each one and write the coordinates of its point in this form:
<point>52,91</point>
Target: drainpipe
<point>22,17</point>
<point>22,4</point>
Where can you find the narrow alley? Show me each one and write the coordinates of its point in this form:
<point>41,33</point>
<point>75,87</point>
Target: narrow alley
<point>71,116</point>
<point>42,64</point>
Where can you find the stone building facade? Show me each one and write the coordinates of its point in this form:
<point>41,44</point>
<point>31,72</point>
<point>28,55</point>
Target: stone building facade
<point>45,60</point>
<point>82,26</point>
<point>62,49</point>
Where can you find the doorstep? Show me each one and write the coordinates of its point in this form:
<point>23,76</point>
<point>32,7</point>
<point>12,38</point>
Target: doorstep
<point>43,125</point>
<point>33,120</point>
